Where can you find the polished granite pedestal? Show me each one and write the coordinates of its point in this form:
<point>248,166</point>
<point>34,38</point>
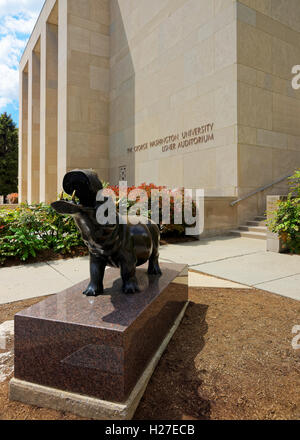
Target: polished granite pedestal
<point>95,356</point>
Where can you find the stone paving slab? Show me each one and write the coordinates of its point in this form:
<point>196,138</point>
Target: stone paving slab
<point>254,269</point>
<point>289,286</point>
<point>74,269</point>
<point>29,281</point>
<point>241,260</point>
<point>214,249</point>
<point>40,279</point>
<point>203,280</point>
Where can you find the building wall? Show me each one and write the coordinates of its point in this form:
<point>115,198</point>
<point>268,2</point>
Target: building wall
<point>268,45</point>
<point>173,68</point>
<point>191,93</point>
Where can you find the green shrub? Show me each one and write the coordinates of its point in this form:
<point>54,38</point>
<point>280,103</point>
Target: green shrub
<point>286,219</point>
<point>27,230</point>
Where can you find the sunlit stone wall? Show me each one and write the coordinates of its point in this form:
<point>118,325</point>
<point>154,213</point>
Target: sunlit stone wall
<point>173,112</point>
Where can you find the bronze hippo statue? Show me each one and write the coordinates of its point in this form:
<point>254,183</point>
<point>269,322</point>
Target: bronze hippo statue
<point>117,245</point>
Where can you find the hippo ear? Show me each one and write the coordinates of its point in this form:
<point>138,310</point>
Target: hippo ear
<point>64,207</point>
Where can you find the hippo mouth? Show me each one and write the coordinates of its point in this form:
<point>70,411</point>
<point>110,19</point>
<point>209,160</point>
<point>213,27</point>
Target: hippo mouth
<point>82,185</point>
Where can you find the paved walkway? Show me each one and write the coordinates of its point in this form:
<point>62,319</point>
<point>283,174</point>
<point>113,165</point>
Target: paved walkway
<point>33,280</point>
<point>241,261</point>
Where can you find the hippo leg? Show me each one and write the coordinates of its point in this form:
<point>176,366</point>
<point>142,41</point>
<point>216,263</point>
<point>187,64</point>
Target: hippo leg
<point>153,268</point>
<point>128,269</point>
<point>97,269</point>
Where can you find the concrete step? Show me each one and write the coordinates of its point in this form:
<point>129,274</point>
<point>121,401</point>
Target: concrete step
<point>261,218</point>
<point>257,223</point>
<point>248,234</point>
<point>250,228</point>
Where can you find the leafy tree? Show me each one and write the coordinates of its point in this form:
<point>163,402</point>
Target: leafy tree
<point>8,155</point>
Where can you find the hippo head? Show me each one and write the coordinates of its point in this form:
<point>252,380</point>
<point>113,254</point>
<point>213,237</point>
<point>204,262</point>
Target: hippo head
<point>84,184</point>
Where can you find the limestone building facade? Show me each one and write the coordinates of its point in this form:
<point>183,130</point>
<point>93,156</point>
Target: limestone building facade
<point>191,93</point>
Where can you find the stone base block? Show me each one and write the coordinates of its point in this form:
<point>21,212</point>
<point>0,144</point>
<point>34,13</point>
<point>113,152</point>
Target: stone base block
<point>80,354</point>
<point>85,406</point>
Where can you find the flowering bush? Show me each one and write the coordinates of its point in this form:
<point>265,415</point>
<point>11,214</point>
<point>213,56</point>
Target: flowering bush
<point>12,198</point>
<point>177,201</point>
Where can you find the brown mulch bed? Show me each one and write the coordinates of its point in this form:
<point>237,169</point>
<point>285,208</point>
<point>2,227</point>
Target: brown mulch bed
<point>231,358</point>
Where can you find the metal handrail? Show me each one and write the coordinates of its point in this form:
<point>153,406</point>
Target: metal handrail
<point>262,188</point>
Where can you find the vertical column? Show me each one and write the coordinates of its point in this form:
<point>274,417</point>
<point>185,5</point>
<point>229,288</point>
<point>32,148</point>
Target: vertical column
<point>35,128</point>
<point>20,135</point>
<point>33,137</point>
<point>62,91</point>
<point>88,85</point>
<point>43,116</point>
<point>23,137</point>
<point>48,113</point>
<point>51,110</point>
<point>29,133</point>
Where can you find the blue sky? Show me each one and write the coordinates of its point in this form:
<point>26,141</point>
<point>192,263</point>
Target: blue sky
<point>17,19</point>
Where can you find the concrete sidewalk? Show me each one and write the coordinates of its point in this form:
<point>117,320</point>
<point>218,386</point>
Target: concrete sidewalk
<point>241,261</point>
<point>40,279</point>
